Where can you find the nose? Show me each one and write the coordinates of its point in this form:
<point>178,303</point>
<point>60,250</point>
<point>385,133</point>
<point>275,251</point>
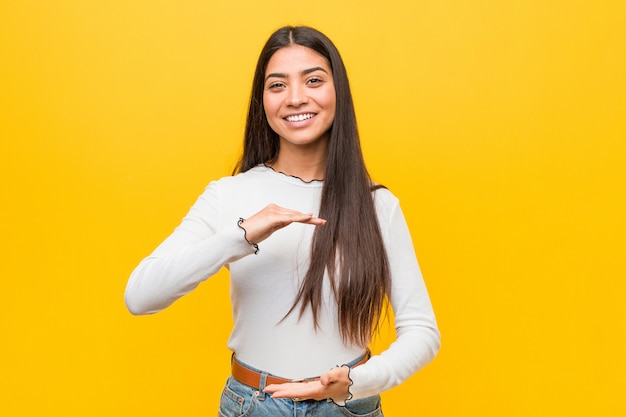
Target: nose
<point>297,96</point>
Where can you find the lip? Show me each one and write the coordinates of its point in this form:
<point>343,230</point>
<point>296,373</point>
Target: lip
<point>299,118</point>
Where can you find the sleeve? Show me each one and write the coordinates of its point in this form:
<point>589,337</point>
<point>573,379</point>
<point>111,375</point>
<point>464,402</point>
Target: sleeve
<point>196,250</point>
<point>417,336</point>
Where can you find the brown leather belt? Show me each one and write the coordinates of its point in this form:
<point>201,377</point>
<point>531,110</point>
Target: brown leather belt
<point>253,379</point>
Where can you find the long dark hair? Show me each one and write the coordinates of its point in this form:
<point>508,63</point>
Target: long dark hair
<point>350,246</point>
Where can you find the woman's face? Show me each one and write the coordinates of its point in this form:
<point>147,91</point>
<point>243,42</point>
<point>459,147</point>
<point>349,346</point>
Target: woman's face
<point>299,96</point>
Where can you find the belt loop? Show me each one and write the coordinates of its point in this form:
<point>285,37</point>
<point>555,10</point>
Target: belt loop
<point>262,383</point>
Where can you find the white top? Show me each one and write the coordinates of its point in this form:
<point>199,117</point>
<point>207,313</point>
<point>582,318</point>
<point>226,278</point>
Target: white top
<point>264,286</point>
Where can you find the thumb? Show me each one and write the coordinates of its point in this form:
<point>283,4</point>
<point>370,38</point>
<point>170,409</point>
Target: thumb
<point>328,377</point>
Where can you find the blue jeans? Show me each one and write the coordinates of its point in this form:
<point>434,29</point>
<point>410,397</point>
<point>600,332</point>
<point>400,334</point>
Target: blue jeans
<point>240,400</point>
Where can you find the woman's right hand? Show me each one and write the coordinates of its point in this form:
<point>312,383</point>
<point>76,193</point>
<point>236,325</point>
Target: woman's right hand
<point>272,218</point>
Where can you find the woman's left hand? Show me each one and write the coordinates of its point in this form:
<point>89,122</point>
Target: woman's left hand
<point>333,384</point>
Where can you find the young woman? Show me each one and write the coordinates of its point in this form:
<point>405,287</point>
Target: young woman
<point>315,250</point>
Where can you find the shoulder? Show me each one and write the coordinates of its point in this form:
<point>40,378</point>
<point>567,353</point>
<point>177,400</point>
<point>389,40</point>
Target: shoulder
<point>227,193</point>
<point>243,180</point>
<point>384,198</point>
<point>387,205</point>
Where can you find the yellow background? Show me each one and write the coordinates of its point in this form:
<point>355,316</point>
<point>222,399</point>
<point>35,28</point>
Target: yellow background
<point>499,124</point>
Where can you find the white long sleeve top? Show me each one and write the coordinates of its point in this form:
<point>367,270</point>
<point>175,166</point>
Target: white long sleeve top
<point>264,286</point>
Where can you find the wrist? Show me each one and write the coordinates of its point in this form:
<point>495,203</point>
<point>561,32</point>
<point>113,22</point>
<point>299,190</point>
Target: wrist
<point>245,235</point>
<point>346,382</point>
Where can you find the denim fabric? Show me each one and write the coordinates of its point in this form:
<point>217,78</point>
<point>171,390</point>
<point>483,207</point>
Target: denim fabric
<point>240,400</point>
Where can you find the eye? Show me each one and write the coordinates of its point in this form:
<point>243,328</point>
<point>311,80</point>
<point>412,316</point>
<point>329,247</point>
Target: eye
<point>275,85</point>
<point>314,81</point>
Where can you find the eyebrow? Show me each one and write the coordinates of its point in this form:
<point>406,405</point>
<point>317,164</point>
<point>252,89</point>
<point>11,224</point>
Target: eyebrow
<point>304,72</point>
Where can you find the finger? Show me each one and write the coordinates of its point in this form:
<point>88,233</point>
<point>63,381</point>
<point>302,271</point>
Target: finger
<point>281,217</point>
<point>291,390</point>
<point>285,393</point>
<point>272,388</point>
<point>315,221</point>
<point>286,217</point>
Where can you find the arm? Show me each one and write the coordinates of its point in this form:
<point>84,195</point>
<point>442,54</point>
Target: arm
<point>197,249</point>
<point>208,238</point>
<point>418,338</point>
<point>417,335</point>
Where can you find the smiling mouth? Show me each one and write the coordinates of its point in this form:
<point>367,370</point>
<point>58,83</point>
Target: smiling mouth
<point>299,117</point>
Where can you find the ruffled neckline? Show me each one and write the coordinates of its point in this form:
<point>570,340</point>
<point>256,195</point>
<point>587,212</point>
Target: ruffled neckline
<point>313,181</point>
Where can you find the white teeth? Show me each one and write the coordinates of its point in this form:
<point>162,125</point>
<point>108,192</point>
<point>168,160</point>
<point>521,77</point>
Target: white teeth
<point>299,117</point>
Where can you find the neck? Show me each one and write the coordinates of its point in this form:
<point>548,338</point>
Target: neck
<point>308,165</point>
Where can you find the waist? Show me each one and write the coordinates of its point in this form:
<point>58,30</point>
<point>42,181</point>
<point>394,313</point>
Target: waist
<point>253,377</point>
